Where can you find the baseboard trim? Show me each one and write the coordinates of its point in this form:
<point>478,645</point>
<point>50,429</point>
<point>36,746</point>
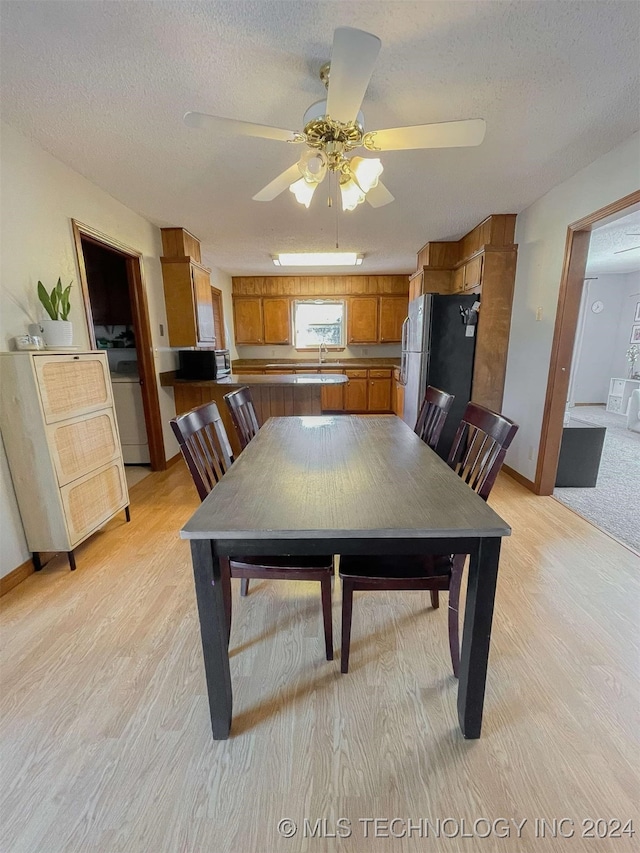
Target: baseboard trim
<point>16,576</point>
<point>520,478</point>
<point>174,459</point>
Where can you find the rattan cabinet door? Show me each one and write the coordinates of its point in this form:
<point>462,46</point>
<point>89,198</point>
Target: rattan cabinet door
<point>91,500</point>
<point>81,445</point>
<point>72,385</point>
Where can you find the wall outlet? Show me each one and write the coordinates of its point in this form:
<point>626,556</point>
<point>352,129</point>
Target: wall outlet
<point>538,314</point>
<point>365,351</point>
<point>273,352</point>
<point>162,330</point>
<point>530,453</point>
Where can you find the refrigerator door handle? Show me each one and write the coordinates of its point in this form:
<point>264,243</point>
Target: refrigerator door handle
<point>403,359</point>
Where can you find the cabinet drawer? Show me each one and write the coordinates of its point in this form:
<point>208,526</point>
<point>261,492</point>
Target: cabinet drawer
<point>380,373</point>
<point>617,386</point>
<point>81,445</point>
<point>72,385</point>
<point>91,501</point>
<point>356,374</point>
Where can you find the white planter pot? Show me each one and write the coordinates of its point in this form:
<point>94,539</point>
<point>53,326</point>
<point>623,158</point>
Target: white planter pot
<point>58,333</point>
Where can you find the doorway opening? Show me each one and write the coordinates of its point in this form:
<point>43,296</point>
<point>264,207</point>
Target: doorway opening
<point>116,309</point>
<point>572,371</point>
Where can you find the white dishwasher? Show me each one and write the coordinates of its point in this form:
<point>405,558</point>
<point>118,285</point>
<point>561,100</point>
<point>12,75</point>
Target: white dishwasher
<point>127,398</point>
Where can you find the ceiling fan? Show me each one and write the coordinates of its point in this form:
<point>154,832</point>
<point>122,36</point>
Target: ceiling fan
<point>334,127</point>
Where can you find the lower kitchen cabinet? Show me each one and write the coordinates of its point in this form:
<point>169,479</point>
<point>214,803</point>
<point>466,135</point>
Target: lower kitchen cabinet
<point>332,398</point>
<point>355,393</point>
<point>379,397</point>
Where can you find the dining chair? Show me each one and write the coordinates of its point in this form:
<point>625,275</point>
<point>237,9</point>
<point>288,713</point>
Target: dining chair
<point>206,450</point>
<point>433,413</point>
<point>477,453</point>
<point>245,422</point>
<point>243,414</point>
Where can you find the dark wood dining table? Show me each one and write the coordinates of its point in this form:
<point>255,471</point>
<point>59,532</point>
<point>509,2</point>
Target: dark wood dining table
<point>343,485</point>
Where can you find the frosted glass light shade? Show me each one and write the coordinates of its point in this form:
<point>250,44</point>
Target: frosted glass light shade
<point>366,171</point>
<point>352,195</point>
<point>303,191</point>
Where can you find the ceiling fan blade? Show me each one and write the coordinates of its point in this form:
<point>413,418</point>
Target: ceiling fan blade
<point>622,251</point>
<point>444,134</point>
<point>278,185</point>
<point>242,128</point>
<point>379,196</point>
<point>353,56</point>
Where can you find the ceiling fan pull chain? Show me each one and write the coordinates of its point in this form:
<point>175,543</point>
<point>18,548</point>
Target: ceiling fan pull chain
<point>337,211</point>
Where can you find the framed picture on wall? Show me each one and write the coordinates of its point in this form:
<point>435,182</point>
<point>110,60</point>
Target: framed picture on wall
<point>635,334</point>
<point>636,319</point>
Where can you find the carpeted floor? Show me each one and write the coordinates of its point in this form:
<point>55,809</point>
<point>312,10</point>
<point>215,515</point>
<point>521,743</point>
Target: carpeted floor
<point>614,504</point>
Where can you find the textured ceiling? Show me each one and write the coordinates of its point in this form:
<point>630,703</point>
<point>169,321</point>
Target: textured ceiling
<point>103,87</point>
<point>611,248</point>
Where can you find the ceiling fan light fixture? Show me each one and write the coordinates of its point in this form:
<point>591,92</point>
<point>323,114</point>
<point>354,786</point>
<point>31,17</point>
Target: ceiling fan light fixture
<point>351,194</point>
<point>303,191</point>
<point>317,259</point>
<point>366,171</point>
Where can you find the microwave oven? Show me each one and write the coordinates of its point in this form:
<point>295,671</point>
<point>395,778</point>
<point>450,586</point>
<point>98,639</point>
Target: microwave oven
<point>203,364</point>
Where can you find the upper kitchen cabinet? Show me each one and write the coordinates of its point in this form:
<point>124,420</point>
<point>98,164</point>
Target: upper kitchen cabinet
<point>248,320</point>
<point>393,312</point>
<point>187,292</point>
<point>362,320</point>
<point>277,321</point>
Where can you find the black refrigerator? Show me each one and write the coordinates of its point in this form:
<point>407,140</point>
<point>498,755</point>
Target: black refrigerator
<point>438,347</point>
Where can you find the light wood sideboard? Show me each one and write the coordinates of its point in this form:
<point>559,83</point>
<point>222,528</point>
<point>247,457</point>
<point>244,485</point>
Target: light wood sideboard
<point>62,443</point>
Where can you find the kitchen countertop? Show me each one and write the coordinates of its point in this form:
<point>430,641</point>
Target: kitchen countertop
<point>284,379</point>
<point>169,379</point>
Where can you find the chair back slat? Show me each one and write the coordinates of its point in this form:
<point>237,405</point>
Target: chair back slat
<point>433,413</point>
<point>243,414</point>
<point>480,446</point>
<point>204,444</point>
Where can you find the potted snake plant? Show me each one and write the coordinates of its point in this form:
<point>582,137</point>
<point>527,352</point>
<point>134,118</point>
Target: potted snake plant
<point>58,331</point>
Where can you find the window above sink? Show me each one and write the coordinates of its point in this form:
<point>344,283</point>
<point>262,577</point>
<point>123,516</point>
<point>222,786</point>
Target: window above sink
<point>319,322</point>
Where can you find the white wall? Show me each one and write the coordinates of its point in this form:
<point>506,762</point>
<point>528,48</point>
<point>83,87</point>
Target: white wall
<point>541,232</point>
<point>602,339</point>
<point>222,281</point>
<point>40,196</point>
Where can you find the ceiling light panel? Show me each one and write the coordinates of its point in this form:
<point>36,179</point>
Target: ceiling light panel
<point>317,259</point>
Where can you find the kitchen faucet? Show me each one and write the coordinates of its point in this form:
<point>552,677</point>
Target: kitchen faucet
<point>326,349</point>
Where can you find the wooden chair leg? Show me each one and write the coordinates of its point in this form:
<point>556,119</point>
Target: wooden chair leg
<point>72,560</point>
<point>454,619</point>
<point>435,599</point>
<point>37,562</point>
<point>347,609</point>
<point>244,587</point>
<point>325,591</point>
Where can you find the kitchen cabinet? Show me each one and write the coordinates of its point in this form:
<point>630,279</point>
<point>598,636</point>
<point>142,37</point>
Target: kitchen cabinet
<point>355,391</point>
<point>362,320</point>
<point>393,312</point>
<point>379,398</point>
<point>248,320</point>
<point>398,394</point>
<point>332,395</point>
<point>473,273</point>
<point>277,321</point>
<point>187,295</point>
<point>62,444</point>
<point>457,280</point>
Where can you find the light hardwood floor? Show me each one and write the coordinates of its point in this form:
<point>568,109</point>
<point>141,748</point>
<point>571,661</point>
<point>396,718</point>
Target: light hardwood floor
<point>106,744</point>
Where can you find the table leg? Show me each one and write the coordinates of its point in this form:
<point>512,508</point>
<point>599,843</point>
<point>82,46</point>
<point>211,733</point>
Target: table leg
<point>476,637</point>
<point>214,634</point>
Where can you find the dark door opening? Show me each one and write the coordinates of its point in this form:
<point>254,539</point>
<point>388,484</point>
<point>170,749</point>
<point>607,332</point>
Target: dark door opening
<point>118,322</point>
